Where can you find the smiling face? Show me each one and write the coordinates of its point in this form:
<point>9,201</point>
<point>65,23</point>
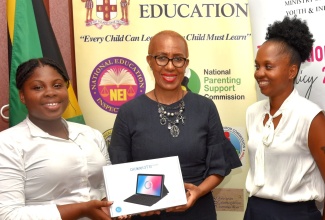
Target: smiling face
<point>45,94</point>
<point>170,45</point>
<point>274,73</point>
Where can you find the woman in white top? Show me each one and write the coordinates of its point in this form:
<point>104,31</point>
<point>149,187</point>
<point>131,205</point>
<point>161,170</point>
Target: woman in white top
<point>286,132</point>
<point>50,168</point>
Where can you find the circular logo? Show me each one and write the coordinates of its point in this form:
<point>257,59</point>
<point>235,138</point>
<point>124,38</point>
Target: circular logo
<point>191,81</point>
<point>118,209</point>
<point>115,81</point>
<point>107,136</point>
<point>236,139</point>
<point>148,184</point>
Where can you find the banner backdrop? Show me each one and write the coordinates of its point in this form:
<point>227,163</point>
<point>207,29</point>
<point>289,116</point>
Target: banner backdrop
<point>111,41</point>
<point>310,81</point>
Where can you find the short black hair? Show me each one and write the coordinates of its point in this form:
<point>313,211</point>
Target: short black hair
<point>294,35</point>
<point>26,69</point>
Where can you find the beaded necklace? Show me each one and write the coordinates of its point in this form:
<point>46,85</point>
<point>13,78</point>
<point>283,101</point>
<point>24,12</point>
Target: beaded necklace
<point>166,116</point>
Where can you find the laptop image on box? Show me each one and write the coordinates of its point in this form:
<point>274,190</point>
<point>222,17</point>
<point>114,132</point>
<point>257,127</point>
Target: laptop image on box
<point>150,189</point>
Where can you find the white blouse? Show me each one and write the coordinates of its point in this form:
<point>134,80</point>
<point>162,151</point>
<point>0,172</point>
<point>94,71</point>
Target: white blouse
<point>290,173</point>
<point>39,171</point>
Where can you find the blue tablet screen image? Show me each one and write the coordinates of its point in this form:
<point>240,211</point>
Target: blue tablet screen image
<point>150,188</point>
<point>150,185</point>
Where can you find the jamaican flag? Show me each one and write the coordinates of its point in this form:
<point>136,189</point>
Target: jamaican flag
<point>31,36</point>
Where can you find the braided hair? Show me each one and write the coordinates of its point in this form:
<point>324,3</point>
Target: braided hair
<point>26,69</point>
<point>294,37</point>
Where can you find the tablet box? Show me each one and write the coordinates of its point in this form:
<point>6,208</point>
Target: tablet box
<point>143,186</point>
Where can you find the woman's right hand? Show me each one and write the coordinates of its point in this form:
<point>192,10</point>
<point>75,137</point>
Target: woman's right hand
<point>92,209</point>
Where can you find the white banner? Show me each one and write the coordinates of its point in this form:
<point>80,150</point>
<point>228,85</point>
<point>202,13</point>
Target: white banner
<point>111,45</point>
<point>310,81</point>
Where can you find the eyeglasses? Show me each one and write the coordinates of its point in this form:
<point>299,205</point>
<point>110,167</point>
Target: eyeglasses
<point>178,62</point>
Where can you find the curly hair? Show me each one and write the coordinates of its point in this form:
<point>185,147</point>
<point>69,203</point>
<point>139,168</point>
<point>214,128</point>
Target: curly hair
<point>295,37</point>
<point>26,69</point>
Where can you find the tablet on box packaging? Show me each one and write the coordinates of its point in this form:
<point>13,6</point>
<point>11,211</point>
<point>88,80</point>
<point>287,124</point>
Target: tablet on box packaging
<point>143,186</point>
